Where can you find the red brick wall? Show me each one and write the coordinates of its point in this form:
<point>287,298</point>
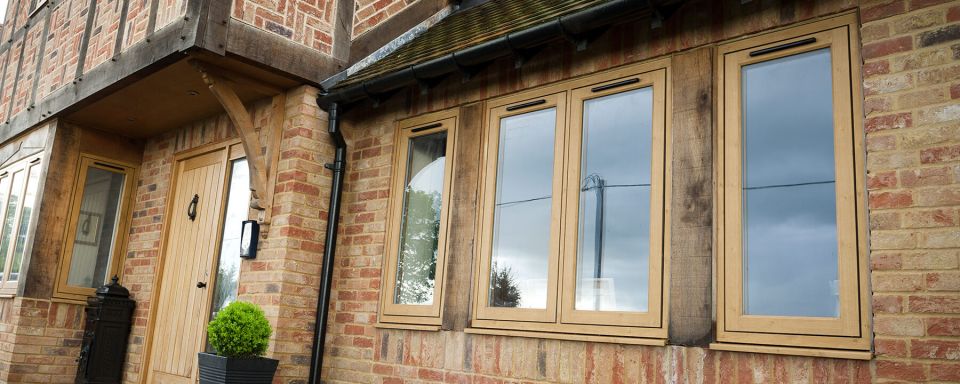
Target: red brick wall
<point>62,50</point>
<point>41,340</point>
<point>309,23</point>
<point>103,35</point>
<point>169,11</point>
<point>369,13</point>
<point>911,51</point>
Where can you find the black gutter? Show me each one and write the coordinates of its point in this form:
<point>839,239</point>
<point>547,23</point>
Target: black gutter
<point>573,26</point>
<point>338,167</point>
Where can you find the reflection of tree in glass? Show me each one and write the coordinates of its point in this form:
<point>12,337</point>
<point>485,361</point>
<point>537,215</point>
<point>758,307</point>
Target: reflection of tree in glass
<point>417,265</point>
<point>224,293</point>
<point>503,287</point>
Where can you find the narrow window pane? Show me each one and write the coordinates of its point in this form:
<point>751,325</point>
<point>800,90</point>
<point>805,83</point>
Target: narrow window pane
<point>521,233</point>
<point>29,202</point>
<point>238,210</point>
<point>789,204</point>
<point>96,231</point>
<point>420,224</point>
<point>614,229</point>
<point>4,192</point>
<point>9,219</point>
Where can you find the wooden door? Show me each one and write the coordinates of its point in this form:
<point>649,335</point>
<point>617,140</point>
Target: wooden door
<point>182,307</point>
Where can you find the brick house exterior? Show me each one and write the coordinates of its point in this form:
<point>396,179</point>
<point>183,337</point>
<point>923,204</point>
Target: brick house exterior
<point>126,79</point>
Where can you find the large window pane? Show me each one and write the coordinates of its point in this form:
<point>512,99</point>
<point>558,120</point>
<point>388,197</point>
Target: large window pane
<point>521,234</point>
<point>228,264</point>
<point>9,219</point>
<point>29,202</point>
<point>789,206</point>
<point>614,219</point>
<point>96,232</point>
<point>420,223</point>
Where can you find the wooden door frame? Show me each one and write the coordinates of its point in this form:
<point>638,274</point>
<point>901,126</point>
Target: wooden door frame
<point>226,145</point>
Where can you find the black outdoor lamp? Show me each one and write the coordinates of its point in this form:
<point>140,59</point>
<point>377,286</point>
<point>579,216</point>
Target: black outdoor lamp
<point>249,237</point>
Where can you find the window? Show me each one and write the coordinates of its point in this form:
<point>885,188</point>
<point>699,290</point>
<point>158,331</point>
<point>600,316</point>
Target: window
<point>96,228</point>
<point>419,210</point>
<point>790,206</point>
<point>19,184</point>
<point>226,284</point>
<point>573,195</point>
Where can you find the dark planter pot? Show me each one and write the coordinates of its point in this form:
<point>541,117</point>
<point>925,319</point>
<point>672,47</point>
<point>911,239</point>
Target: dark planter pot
<point>221,370</point>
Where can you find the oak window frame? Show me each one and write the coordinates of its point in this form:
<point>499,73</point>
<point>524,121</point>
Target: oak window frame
<point>414,314</point>
<point>559,319</point>
<point>63,290</point>
<point>26,167</point>
<point>794,334</point>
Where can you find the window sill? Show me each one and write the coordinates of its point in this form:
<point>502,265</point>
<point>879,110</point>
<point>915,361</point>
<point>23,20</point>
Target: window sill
<point>409,327</point>
<point>793,351</point>
<point>568,336</point>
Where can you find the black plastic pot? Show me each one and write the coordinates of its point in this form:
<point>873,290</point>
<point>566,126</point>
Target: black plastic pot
<point>221,370</point>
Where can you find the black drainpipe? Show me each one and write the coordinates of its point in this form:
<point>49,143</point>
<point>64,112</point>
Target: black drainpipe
<point>338,167</point>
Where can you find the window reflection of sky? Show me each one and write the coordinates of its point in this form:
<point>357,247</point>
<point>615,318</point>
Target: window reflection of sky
<point>616,148</point>
<point>789,218</point>
<point>521,239</point>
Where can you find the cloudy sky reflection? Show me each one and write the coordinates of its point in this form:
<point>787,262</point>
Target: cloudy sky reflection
<point>616,148</point>
<point>789,218</point>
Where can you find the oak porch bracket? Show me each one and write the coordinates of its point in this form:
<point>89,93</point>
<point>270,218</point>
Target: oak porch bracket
<point>221,83</point>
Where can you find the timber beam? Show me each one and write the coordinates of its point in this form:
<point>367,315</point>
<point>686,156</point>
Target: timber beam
<point>222,83</point>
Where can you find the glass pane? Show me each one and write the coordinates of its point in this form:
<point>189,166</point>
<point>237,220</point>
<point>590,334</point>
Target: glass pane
<point>420,225</point>
<point>29,202</point>
<point>238,210</point>
<point>614,229</point>
<point>6,235</point>
<point>789,204</point>
<point>4,190</point>
<point>96,231</point>
<point>521,229</point>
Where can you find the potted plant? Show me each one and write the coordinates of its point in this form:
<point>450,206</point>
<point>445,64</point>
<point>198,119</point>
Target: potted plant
<point>239,334</point>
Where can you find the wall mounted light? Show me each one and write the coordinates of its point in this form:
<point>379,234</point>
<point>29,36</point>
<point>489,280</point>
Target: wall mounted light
<point>249,238</point>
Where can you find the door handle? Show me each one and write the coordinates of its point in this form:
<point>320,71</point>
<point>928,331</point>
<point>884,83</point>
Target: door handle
<point>192,209</point>
<point>201,284</point>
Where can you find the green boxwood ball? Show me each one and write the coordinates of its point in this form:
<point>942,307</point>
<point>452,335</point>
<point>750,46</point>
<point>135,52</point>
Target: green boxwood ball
<point>240,331</point>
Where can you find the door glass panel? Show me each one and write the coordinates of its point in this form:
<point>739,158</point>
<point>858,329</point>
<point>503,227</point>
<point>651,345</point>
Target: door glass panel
<point>420,224</point>
<point>237,210</point>
<point>9,219</point>
<point>522,216</point>
<point>29,202</point>
<point>96,232</point>
<point>614,220</point>
<point>790,250</point>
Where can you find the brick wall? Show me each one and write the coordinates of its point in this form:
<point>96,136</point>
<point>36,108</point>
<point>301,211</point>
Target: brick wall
<point>369,13</point>
<point>911,51</point>
<point>61,53</point>
<point>309,23</point>
<point>41,340</point>
<point>913,143</point>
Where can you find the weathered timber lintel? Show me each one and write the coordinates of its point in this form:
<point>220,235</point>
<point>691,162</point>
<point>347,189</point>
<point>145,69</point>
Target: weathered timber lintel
<point>224,92</point>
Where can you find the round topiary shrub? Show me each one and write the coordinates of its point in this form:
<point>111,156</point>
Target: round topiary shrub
<point>240,331</point>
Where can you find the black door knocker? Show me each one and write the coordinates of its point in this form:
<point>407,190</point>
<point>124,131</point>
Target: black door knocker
<point>192,209</point>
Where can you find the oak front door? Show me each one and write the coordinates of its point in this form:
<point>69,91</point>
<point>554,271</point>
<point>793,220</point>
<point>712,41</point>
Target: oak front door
<point>194,228</point>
